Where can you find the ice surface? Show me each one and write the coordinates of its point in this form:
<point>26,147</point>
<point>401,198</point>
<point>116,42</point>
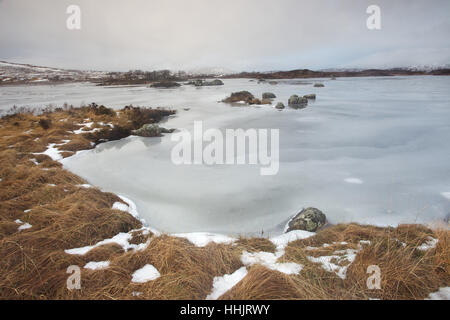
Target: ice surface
<point>391,133</point>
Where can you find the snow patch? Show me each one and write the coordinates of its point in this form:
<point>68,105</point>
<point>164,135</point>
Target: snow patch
<point>201,239</point>
<point>283,240</point>
<point>93,265</point>
<point>442,294</point>
<point>340,256</point>
<point>52,152</point>
<point>269,260</point>
<point>25,226</point>
<point>225,283</point>
<point>146,273</point>
<point>132,208</point>
<point>122,239</point>
<point>429,244</point>
<point>86,186</point>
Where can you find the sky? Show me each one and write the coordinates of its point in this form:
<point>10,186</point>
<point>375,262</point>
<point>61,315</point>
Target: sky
<point>236,35</point>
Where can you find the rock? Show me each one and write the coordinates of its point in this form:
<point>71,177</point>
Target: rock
<point>319,85</point>
<point>215,82</point>
<point>165,84</point>
<point>297,102</point>
<point>268,95</point>
<point>239,96</point>
<point>280,105</point>
<point>309,219</point>
<point>333,78</point>
<point>151,130</point>
<point>273,82</point>
<point>311,96</point>
<point>266,101</point>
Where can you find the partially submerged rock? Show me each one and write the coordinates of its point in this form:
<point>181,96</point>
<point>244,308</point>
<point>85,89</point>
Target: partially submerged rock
<point>309,219</point>
<point>297,102</point>
<point>311,96</point>
<point>319,85</point>
<point>165,84</point>
<point>151,130</point>
<point>280,105</point>
<point>246,97</point>
<point>268,95</point>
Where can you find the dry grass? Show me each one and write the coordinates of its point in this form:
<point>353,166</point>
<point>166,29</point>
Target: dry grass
<point>64,215</point>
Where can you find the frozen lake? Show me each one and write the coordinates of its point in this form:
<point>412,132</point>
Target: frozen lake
<point>369,150</point>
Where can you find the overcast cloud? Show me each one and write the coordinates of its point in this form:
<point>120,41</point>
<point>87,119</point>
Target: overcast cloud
<point>233,34</point>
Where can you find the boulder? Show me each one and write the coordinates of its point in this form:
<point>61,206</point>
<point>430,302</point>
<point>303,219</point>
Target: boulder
<point>319,85</point>
<point>244,96</point>
<point>297,102</point>
<point>268,95</point>
<point>311,96</point>
<point>309,219</point>
<point>215,82</point>
<point>151,130</point>
<point>280,105</point>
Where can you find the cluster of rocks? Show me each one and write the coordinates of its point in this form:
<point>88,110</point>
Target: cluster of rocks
<point>309,219</point>
<point>248,98</point>
<point>297,102</point>
<point>319,85</point>
<point>165,84</point>
<point>204,83</point>
<point>151,130</point>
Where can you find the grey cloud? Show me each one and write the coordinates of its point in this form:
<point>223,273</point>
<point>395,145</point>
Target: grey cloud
<point>235,34</point>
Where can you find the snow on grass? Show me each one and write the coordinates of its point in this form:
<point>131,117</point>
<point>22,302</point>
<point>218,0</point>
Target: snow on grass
<point>442,294</point>
<point>25,226</point>
<point>122,239</point>
<point>201,239</point>
<point>86,186</point>
<point>353,180</point>
<point>131,208</point>
<point>120,206</point>
<point>340,256</point>
<point>283,240</point>
<point>96,265</point>
<point>429,244</point>
<point>446,195</point>
<point>146,273</point>
<point>269,260</point>
<point>34,161</point>
<point>52,152</point>
<point>225,283</point>
<point>81,130</point>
